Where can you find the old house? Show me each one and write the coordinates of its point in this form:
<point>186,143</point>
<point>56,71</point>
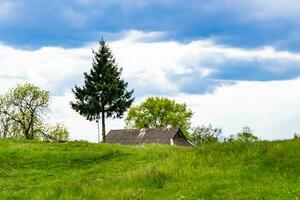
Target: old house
<point>170,136</point>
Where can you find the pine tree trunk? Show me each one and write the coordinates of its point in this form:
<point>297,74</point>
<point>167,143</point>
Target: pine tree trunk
<point>98,121</point>
<point>103,127</point>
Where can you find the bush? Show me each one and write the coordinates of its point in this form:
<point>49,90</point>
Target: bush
<point>205,135</point>
<point>55,133</point>
<point>246,135</point>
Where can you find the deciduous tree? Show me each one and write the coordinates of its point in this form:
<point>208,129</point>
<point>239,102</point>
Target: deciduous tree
<point>25,106</point>
<point>55,133</point>
<point>159,112</point>
<point>246,135</point>
<point>205,135</point>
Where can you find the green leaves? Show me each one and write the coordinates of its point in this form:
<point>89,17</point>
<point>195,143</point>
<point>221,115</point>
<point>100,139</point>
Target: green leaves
<point>21,115</point>
<point>22,108</point>
<point>156,112</point>
<point>30,97</point>
<point>104,93</point>
<point>205,135</point>
<point>57,132</point>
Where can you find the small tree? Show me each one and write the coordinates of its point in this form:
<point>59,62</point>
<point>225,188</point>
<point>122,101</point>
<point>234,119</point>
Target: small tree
<point>205,135</point>
<point>24,106</point>
<point>104,93</point>
<point>156,112</point>
<point>55,133</point>
<point>246,135</point>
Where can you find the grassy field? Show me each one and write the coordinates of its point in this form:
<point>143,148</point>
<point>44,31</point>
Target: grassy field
<point>262,170</point>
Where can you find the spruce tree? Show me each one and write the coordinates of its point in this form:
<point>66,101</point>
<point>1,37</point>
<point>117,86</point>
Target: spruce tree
<point>104,94</point>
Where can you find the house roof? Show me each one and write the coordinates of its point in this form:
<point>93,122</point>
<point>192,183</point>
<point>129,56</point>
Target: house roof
<point>144,135</point>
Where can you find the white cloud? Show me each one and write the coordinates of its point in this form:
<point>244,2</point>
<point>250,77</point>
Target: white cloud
<point>270,108</point>
<point>45,67</point>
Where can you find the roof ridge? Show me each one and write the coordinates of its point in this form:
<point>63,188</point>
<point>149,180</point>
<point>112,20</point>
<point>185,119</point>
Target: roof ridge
<point>125,129</point>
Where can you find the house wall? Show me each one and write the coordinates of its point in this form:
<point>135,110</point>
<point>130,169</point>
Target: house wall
<point>140,141</point>
<point>177,141</point>
<point>181,142</point>
<point>155,141</point>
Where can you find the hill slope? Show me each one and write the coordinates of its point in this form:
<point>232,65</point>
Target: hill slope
<point>263,170</point>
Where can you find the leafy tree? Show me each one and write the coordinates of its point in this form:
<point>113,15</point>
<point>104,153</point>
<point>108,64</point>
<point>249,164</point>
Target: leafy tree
<point>104,94</point>
<point>205,135</point>
<point>56,133</point>
<point>156,112</point>
<point>246,135</point>
<point>24,106</point>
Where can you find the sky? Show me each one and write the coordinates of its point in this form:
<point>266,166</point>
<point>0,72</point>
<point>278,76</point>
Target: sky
<point>233,62</point>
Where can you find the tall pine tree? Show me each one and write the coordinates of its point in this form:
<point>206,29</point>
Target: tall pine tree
<point>104,94</point>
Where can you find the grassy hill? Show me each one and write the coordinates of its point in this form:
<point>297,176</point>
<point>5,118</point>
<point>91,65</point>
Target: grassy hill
<point>262,170</point>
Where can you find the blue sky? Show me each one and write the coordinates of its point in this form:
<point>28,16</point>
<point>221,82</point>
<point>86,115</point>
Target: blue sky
<point>69,23</point>
<point>212,55</point>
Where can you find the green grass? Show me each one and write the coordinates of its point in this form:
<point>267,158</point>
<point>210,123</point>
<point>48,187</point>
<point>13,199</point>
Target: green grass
<point>261,170</point>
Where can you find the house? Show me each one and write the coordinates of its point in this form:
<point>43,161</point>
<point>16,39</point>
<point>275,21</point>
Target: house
<point>170,136</point>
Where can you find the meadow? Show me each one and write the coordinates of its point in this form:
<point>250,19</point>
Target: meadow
<point>79,170</point>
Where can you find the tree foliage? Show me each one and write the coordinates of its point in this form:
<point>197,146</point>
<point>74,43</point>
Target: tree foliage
<point>56,133</point>
<point>246,135</point>
<point>205,135</point>
<point>22,112</point>
<point>23,108</point>
<point>159,112</point>
<point>104,93</point>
